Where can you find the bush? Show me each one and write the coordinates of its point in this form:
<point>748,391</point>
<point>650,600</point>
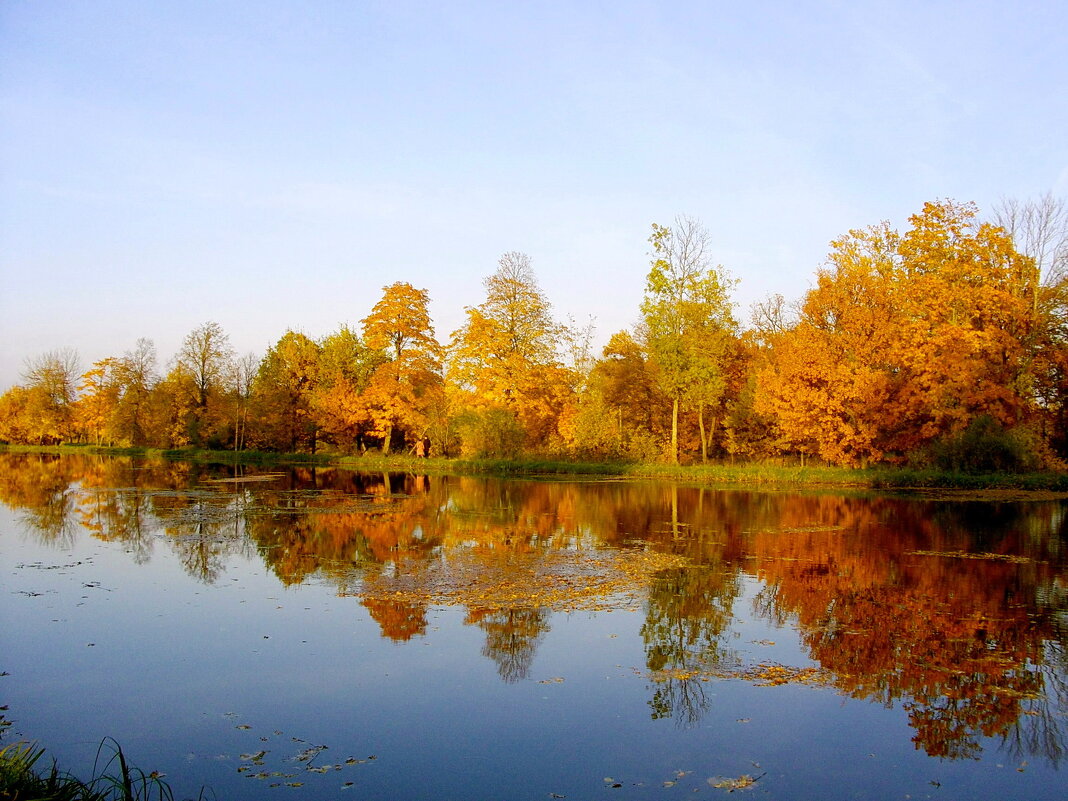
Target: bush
<point>985,446</point>
<point>490,434</point>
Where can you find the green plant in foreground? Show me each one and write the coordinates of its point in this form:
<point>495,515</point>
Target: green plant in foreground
<point>113,779</point>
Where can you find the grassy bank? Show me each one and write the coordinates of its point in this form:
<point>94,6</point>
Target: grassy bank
<point>22,776</point>
<point>749,474</point>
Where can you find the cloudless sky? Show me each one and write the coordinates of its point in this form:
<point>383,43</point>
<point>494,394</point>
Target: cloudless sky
<point>273,165</point>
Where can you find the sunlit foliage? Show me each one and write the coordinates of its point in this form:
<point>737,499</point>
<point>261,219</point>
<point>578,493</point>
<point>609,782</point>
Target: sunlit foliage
<point>904,341</point>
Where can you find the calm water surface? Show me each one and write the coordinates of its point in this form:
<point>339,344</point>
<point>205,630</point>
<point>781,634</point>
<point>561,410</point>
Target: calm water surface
<point>315,634</point>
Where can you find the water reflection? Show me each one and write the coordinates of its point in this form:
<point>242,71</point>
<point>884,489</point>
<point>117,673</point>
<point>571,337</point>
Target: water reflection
<point>956,612</point>
<point>687,636</point>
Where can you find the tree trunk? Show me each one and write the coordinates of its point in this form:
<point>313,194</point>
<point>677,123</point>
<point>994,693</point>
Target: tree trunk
<point>385,440</point>
<point>713,424</point>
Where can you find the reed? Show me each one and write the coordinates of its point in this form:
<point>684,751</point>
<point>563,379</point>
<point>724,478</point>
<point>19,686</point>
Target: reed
<point>113,778</point>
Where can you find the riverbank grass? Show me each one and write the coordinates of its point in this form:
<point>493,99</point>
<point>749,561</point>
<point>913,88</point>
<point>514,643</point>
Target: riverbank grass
<point>113,778</point>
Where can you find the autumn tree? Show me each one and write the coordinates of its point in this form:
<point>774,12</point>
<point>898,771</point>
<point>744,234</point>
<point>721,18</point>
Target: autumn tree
<point>622,406</point>
<point>505,357</point>
<point>99,400</point>
<point>402,387</point>
<point>243,381</point>
<point>203,357</point>
<point>200,370</point>
<point>51,381</point>
<point>747,432</point>
<point>283,390</point>
<point>824,381</point>
<point>114,403</point>
<point>687,322</point>
<point>138,377</point>
<point>346,365</point>
<point>14,420</point>
<point>905,339</point>
<point>1039,229</point>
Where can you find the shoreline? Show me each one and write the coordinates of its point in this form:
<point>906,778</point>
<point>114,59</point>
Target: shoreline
<point>748,475</point>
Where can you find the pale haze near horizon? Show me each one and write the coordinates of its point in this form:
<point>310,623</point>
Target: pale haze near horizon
<point>273,165</point>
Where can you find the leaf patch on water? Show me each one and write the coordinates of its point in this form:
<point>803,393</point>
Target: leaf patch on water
<point>743,782</point>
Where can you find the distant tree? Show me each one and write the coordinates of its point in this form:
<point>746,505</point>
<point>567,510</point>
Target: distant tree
<point>687,322</point>
<point>204,357</point>
<point>346,365</point>
<point>138,376</point>
<point>401,387</point>
<point>14,419</point>
<point>622,406</point>
<point>51,381</point>
<point>243,379</point>
<point>506,356</point>
<point>99,401</point>
<point>1039,229</point>
<point>201,368</point>
<point>284,387</point>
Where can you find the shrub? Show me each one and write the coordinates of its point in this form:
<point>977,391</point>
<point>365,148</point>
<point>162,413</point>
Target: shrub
<point>490,434</point>
<point>985,446</point>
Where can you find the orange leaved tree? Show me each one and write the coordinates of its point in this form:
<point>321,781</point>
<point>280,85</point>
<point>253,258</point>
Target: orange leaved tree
<point>402,387</point>
<point>905,339</point>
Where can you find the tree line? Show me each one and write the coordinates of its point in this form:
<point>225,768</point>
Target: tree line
<point>945,344</point>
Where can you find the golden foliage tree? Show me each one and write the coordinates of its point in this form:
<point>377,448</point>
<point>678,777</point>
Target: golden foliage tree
<point>49,407</point>
<point>1039,229</point>
<point>622,409</point>
<point>505,357</point>
<point>403,386</point>
<point>346,365</point>
<point>197,384</point>
<point>905,339</point>
<point>283,390</point>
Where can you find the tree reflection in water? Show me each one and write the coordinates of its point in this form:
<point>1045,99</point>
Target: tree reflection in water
<point>512,637</point>
<point>956,612</point>
<point>688,617</point>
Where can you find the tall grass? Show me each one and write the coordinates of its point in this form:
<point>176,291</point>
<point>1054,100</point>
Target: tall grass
<point>113,779</point>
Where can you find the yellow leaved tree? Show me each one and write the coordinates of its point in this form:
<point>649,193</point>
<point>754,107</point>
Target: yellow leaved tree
<point>504,370</point>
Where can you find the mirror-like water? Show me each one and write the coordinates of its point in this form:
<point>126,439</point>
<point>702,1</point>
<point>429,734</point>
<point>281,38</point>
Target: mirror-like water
<point>325,634</point>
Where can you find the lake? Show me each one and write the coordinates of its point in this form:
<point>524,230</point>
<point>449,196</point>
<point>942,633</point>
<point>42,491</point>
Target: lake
<point>319,633</point>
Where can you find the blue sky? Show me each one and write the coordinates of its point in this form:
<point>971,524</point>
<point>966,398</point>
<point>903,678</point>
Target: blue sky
<point>272,165</point>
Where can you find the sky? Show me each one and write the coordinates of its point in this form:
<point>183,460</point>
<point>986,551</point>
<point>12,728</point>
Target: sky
<point>272,166</point>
